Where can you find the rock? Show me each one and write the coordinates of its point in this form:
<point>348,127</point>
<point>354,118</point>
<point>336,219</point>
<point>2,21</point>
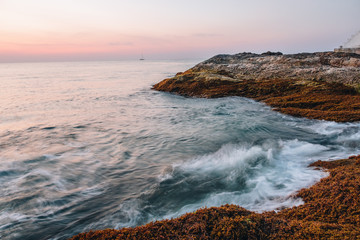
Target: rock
<point>315,85</point>
<point>268,53</point>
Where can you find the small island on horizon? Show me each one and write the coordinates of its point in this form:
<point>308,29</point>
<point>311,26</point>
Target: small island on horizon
<point>323,86</point>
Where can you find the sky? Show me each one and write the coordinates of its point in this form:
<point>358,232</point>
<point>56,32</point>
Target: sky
<point>67,30</point>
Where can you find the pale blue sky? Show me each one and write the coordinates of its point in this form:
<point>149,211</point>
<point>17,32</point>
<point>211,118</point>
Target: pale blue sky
<point>122,29</point>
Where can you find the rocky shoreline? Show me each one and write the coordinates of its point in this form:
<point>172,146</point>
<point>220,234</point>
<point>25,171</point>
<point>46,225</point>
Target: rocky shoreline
<point>331,211</point>
<point>313,85</point>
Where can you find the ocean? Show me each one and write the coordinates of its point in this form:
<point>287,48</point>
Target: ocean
<point>89,145</point>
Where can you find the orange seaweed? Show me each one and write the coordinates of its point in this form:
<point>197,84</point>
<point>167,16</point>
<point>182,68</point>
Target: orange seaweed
<point>311,99</point>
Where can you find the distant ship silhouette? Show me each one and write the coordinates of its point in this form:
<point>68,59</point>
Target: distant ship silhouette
<point>142,57</point>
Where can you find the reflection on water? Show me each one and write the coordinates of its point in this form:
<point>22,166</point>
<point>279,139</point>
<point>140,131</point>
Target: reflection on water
<point>89,145</point>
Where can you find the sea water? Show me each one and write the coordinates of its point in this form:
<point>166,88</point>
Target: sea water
<point>89,145</point>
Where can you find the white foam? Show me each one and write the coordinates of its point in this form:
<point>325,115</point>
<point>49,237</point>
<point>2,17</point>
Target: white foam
<point>331,128</point>
<point>278,170</point>
<point>351,137</point>
<point>227,157</point>
<point>301,151</point>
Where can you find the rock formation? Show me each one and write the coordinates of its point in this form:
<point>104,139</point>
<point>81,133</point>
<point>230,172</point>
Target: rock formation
<point>314,85</point>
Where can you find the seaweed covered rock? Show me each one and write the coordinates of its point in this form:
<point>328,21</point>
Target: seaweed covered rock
<point>313,85</point>
<point>335,199</point>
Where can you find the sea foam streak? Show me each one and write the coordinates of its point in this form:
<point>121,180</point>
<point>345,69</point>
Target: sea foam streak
<point>258,178</point>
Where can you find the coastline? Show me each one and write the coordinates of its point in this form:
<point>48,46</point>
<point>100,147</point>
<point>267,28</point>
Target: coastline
<point>320,86</point>
<point>323,86</point>
<point>330,211</point>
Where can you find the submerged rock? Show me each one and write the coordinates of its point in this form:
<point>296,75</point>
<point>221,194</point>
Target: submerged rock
<point>314,85</point>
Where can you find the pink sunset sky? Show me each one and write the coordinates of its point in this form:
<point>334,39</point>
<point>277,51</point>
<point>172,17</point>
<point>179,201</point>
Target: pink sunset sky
<point>58,30</point>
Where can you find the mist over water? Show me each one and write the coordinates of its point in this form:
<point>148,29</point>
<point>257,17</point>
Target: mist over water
<point>89,145</point>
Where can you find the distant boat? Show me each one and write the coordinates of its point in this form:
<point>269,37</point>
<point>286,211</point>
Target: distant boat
<point>142,57</point>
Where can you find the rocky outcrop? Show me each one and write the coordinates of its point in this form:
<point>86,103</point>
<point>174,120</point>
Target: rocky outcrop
<point>324,66</point>
<point>314,85</point>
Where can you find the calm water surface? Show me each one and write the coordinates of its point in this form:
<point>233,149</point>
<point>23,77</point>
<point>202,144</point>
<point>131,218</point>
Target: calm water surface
<point>89,145</point>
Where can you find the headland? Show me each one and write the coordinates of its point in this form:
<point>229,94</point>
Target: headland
<point>321,86</point>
